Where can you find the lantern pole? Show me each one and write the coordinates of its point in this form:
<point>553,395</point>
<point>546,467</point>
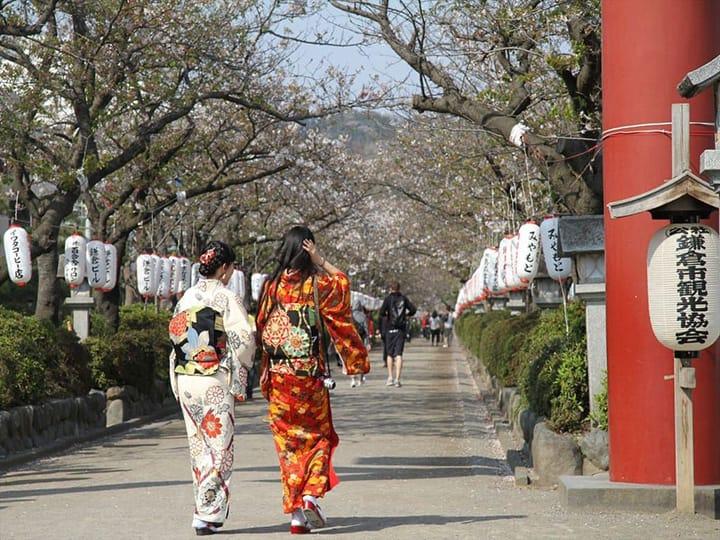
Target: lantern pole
<point>683,373</point>
<point>684,382</point>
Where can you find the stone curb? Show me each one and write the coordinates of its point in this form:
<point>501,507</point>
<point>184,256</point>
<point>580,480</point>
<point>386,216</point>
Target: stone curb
<point>67,442</point>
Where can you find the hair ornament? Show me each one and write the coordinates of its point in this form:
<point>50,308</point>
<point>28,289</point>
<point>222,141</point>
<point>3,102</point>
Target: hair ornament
<point>208,257</point>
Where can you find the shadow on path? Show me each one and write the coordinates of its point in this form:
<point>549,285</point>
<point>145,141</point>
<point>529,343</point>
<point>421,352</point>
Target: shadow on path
<point>347,525</point>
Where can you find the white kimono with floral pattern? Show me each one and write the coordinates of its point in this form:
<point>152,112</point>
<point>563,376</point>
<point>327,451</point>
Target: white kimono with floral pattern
<point>207,401</point>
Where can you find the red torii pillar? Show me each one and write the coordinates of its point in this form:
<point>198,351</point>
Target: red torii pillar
<point>648,47</point>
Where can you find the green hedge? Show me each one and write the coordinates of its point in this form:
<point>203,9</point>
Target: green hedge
<point>534,352</point>
<point>38,361</point>
<point>136,355</point>
<point>41,362</point>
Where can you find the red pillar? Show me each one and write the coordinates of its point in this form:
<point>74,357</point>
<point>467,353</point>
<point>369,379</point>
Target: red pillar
<point>648,46</point>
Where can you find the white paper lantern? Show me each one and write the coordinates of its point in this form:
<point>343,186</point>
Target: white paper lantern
<point>503,260</point>
<point>514,282</point>
<point>683,287</point>
<point>558,267</point>
<point>16,242</point>
<point>111,264</point>
<point>528,255</point>
<point>165,278</point>
<point>195,274</point>
<point>75,260</point>
<point>145,271</point>
<point>183,283</point>
<point>157,271</point>
<point>490,277</point>
<point>174,274</point>
<point>95,264</point>
<point>239,283</point>
<point>256,285</point>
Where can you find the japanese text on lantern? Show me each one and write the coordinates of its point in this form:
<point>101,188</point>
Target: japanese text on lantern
<point>556,258</point>
<point>532,246</point>
<point>74,261</point>
<point>17,259</point>
<point>95,262</point>
<point>690,265</point>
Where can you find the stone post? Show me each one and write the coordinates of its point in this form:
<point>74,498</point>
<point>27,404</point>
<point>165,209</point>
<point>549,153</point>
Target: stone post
<point>582,237</point>
<point>81,302</point>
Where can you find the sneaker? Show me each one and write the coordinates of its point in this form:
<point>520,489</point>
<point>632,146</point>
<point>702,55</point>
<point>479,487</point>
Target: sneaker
<point>298,523</point>
<point>362,379</point>
<point>389,382</point>
<point>397,383</point>
<point>203,528</point>
<point>353,383</point>
<point>313,513</point>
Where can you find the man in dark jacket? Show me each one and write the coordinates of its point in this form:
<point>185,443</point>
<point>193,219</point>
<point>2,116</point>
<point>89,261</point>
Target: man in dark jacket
<point>397,308</point>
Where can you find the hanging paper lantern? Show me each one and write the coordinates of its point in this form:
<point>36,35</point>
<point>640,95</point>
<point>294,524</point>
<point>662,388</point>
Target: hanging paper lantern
<point>157,270</point>
<point>256,284</point>
<point>95,264</point>
<point>183,283</point>
<point>238,278</point>
<point>558,267</point>
<point>75,260</point>
<point>174,274</point>
<point>145,271</point>
<point>194,274</point>
<point>164,289</point>
<point>490,277</point>
<point>503,261</point>
<point>683,287</point>
<point>16,242</point>
<point>528,255</point>
<point>513,280</point>
<point>110,267</point>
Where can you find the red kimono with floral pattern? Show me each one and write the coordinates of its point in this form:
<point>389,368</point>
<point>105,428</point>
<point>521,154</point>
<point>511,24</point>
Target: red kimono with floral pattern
<point>299,405</point>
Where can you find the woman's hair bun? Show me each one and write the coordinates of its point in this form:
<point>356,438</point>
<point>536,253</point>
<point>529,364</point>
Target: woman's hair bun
<point>215,254</point>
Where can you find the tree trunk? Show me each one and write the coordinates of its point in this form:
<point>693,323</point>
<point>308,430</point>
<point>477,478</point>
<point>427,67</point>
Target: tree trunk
<point>47,306</point>
<point>108,303</point>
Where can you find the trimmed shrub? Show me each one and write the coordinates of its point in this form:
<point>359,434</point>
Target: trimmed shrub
<point>534,352</point>
<point>569,408</point>
<point>542,355</point>
<point>136,355</point>
<point>501,344</point>
<point>38,361</point>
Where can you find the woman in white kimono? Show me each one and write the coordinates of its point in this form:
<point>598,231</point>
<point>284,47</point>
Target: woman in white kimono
<point>213,349</point>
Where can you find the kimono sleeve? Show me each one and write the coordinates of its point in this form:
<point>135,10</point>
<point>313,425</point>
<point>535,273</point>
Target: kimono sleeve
<point>240,344</point>
<point>171,367</point>
<point>335,310</point>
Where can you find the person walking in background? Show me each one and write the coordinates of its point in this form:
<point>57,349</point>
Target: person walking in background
<point>397,308</point>
<point>435,329</point>
<point>360,318</point>
<point>303,297</point>
<point>424,328</point>
<point>449,324</point>
<point>213,348</point>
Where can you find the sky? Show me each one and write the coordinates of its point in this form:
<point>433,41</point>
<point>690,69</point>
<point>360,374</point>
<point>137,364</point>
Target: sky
<point>367,60</point>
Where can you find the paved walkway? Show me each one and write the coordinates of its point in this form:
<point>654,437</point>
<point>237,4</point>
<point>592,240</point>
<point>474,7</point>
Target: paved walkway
<point>416,462</point>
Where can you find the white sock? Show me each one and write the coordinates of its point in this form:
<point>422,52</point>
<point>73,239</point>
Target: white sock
<point>297,518</point>
<point>311,499</point>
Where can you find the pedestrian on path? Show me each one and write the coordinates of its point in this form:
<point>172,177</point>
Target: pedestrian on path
<point>449,324</point>
<point>303,297</point>
<point>397,308</point>
<point>213,348</point>
<point>435,328</point>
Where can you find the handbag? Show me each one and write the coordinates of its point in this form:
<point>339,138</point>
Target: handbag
<point>325,365</point>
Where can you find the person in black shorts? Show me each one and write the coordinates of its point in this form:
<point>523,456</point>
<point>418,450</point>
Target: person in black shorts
<point>397,308</point>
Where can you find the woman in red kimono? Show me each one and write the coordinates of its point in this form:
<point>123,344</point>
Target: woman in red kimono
<point>294,369</point>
